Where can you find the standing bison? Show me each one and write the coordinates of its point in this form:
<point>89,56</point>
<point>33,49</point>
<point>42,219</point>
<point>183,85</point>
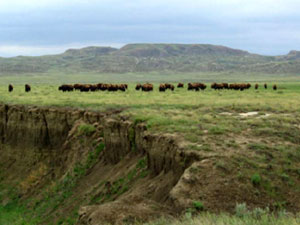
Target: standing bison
<point>274,87</point>
<point>162,88</point>
<point>196,86</point>
<point>66,87</point>
<point>27,88</point>
<point>138,87</point>
<point>147,87</point>
<point>10,88</point>
<point>256,86</point>
<point>265,86</point>
<point>180,85</point>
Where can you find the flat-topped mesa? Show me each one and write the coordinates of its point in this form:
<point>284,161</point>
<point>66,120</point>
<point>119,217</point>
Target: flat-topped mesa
<point>168,50</point>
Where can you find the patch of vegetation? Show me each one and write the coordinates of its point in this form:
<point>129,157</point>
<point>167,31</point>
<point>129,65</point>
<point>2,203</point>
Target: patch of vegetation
<point>198,205</point>
<point>256,179</point>
<point>86,129</point>
<point>258,146</point>
<point>216,130</point>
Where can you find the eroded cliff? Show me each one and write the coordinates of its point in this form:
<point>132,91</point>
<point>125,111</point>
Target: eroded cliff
<point>99,167</point>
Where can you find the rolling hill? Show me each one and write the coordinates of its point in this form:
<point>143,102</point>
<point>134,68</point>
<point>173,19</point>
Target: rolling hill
<point>153,57</point>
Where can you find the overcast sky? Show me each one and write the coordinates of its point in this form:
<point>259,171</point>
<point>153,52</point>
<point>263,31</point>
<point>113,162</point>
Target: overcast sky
<point>37,27</point>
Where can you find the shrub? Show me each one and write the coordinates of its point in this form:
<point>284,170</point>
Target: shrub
<point>256,179</point>
<point>198,205</point>
<point>86,129</point>
<point>241,210</point>
<point>257,213</point>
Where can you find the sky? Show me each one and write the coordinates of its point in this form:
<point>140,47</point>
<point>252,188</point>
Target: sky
<point>38,27</point>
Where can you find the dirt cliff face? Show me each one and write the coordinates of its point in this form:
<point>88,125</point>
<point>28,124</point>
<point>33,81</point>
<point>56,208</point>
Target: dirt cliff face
<point>48,145</point>
<point>110,169</point>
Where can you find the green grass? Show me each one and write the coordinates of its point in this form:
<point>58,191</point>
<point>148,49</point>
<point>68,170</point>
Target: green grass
<point>245,146</point>
<point>243,216</point>
<point>86,129</point>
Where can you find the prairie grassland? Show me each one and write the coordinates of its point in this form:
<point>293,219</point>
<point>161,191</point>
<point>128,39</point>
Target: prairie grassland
<point>209,122</point>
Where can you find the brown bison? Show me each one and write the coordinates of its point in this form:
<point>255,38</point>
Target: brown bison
<point>66,87</point>
<point>274,87</point>
<point>147,87</point>
<point>196,86</point>
<point>10,88</point>
<point>180,85</point>
<point>77,86</point>
<point>138,87</point>
<point>162,88</point>
<point>265,86</point>
<point>240,87</point>
<point>93,87</point>
<point>85,88</point>
<point>27,88</point>
<point>219,86</point>
<point>256,86</point>
<point>169,86</point>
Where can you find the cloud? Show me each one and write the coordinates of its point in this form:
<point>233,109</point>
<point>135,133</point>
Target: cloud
<point>249,25</point>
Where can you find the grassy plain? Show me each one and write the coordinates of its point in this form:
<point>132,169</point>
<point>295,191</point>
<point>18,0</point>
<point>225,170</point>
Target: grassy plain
<point>211,122</point>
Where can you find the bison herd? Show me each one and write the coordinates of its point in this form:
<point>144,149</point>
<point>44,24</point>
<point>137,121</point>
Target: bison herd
<point>147,87</point>
<point>199,86</point>
<point>93,87</point>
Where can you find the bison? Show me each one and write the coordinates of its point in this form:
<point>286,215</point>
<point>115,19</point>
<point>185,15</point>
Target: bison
<point>162,88</point>
<point>180,85</point>
<point>196,86</point>
<point>265,86</point>
<point>77,86</point>
<point>10,88</point>
<point>138,87</point>
<point>66,87</point>
<point>147,87</point>
<point>256,86</point>
<point>274,87</point>
<point>219,86</point>
<point>240,87</point>
<point>169,86</point>
<point>122,87</point>
<point>27,88</point>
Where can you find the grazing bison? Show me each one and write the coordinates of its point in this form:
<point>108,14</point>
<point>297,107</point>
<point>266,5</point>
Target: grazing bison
<point>27,88</point>
<point>266,86</point>
<point>10,88</point>
<point>93,87</point>
<point>138,87</point>
<point>77,86</point>
<point>240,87</point>
<point>256,86</point>
<point>196,86</point>
<point>147,87</point>
<point>85,88</point>
<point>274,87</point>
<point>180,85</point>
<point>162,88</point>
<point>219,86</point>
<point>112,87</point>
<point>169,86</point>
<point>66,87</point>
<point>122,87</point>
